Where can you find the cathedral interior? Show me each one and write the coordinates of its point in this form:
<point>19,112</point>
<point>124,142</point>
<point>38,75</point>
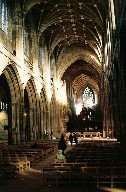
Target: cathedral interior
<point>62,69</point>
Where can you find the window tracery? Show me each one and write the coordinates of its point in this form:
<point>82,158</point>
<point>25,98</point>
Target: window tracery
<point>88,97</point>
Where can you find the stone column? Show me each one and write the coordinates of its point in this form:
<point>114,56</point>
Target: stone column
<point>41,123</point>
<point>31,123</point>
<point>44,122</point>
<point>12,129</point>
<point>17,133</point>
<point>58,131</point>
<point>21,122</point>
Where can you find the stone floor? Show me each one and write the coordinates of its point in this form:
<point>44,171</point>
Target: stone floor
<point>32,181</point>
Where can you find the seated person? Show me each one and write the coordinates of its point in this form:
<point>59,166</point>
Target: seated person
<point>70,156</point>
<point>59,157</point>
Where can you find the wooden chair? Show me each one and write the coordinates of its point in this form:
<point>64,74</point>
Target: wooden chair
<point>23,159</point>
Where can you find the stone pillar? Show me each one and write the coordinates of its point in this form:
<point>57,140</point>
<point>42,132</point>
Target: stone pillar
<point>47,121</point>
<point>17,133</point>
<point>44,121</point>
<point>21,122</point>
<point>14,130</point>
<point>42,124</point>
<point>34,123</point>
<point>58,130</point>
<point>39,125</point>
<point>31,116</point>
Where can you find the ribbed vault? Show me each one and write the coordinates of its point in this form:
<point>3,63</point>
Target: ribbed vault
<point>73,31</point>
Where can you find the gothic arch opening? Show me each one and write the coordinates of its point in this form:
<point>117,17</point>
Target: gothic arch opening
<point>5,110</point>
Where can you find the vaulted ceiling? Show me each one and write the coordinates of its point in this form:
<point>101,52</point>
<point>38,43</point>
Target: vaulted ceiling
<point>74,31</point>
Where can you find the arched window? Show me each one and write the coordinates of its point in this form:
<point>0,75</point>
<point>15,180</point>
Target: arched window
<point>88,97</point>
<point>4,16</point>
<point>25,42</point>
<point>41,52</point>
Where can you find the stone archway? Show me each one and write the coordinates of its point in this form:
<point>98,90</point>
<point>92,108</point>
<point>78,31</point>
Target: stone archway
<point>5,110</point>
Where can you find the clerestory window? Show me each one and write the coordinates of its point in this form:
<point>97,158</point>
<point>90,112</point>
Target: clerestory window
<point>25,42</point>
<point>4,16</point>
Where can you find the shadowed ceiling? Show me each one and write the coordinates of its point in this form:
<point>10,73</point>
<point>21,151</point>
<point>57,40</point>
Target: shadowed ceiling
<point>70,26</point>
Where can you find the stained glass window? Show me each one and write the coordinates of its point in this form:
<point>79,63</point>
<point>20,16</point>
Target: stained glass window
<point>88,97</point>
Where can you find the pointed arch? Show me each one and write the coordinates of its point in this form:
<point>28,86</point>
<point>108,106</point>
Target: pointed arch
<point>14,82</point>
<point>88,96</point>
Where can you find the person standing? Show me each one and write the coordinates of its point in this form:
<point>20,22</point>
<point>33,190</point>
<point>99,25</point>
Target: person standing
<point>60,157</point>
<point>51,134</point>
<point>71,139</point>
<point>62,144</point>
<point>75,138</point>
